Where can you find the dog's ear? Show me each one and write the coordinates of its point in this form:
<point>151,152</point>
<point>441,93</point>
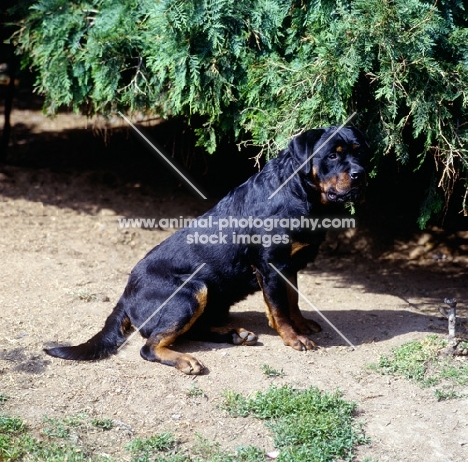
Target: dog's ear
<point>303,146</point>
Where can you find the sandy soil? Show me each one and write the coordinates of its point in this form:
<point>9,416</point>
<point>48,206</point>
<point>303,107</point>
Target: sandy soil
<point>65,263</point>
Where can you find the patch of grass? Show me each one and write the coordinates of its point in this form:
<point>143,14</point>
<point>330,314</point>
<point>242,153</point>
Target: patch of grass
<point>145,449</point>
<point>46,451</point>
<point>195,391</point>
<point>249,454</point>
<point>84,295</point>
<point>10,425</point>
<point>3,398</point>
<point>307,425</point>
<point>420,361</point>
<point>16,443</point>
<point>443,395</point>
<point>61,428</point>
<point>271,371</point>
<point>172,458</point>
<point>210,451</point>
<point>103,424</point>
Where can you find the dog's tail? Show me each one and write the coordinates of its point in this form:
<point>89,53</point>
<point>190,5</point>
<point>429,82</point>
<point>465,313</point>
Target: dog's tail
<point>103,344</point>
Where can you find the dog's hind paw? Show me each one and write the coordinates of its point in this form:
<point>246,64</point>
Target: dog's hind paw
<point>244,337</point>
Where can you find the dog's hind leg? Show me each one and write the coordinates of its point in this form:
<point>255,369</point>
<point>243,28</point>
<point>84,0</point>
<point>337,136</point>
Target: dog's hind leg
<point>158,343</point>
<point>157,349</point>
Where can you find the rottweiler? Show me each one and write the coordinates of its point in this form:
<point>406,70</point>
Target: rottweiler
<point>255,238</point>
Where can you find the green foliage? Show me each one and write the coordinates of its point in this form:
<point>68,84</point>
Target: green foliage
<point>163,448</point>
<point>195,391</point>
<point>209,451</point>
<point>420,362</point>
<point>443,395</point>
<point>260,71</point>
<point>271,371</point>
<point>103,424</point>
<point>307,425</point>
<point>10,425</point>
<point>16,444</point>
<point>62,428</point>
<point>157,443</point>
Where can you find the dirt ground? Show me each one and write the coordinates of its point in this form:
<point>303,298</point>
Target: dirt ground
<point>65,262</point>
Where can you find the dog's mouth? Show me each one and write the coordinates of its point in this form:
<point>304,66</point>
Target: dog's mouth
<point>345,187</point>
<point>351,195</point>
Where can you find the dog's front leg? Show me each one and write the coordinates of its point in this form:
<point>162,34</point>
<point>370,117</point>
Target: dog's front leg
<point>302,325</point>
<point>277,299</point>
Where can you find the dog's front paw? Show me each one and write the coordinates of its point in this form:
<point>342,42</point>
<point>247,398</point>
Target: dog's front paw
<point>189,365</point>
<point>307,326</point>
<point>300,342</point>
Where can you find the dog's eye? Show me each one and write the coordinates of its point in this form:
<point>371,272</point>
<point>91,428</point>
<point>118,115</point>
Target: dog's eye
<point>332,156</point>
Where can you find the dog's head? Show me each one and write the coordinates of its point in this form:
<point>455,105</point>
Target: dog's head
<point>336,162</point>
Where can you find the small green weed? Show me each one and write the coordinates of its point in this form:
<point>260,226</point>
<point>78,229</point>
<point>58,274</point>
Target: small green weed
<point>61,428</point>
<point>10,425</point>
<point>271,371</point>
<point>195,391</point>
<point>420,362</point>
<point>103,424</point>
<point>210,451</point>
<point>307,425</point>
<point>84,295</point>
<point>144,449</point>
<point>16,443</point>
<point>443,395</point>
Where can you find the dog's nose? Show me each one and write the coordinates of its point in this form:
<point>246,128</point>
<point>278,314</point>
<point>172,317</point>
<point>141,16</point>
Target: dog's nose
<point>356,174</point>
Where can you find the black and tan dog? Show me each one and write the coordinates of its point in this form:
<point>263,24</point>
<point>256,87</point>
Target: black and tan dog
<point>184,286</point>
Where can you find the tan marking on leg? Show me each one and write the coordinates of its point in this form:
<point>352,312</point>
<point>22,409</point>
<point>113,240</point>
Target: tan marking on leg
<point>184,362</point>
<point>271,319</point>
<point>202,297</point>
<point>126,326</point>
<point>289,335</point>
<point>296,246</point>
<point>283,325</point>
